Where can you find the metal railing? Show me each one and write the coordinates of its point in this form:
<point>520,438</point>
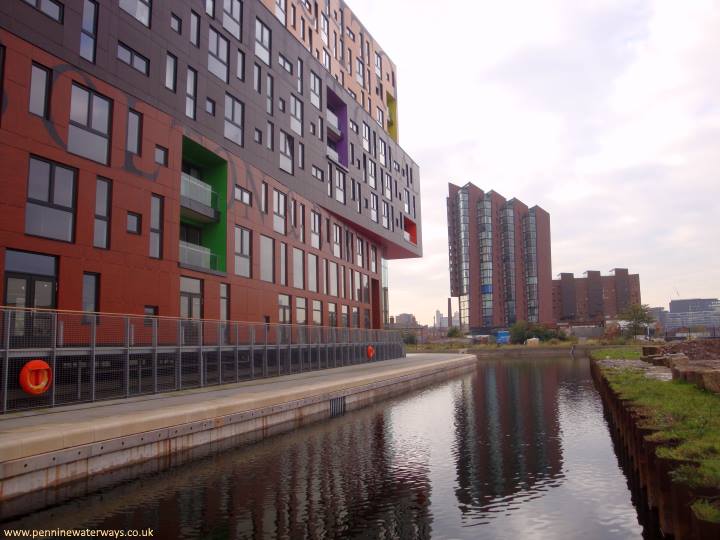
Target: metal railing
<point>99,356</point>
<point>197,190</point>
<point>332,120</point>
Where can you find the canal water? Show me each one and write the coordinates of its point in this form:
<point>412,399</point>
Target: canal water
<point>515,449</point>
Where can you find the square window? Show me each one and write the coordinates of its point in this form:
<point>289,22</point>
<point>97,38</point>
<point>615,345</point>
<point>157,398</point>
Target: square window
<point>161,155</point>
<point>176,23</point>
<point>134,223</point>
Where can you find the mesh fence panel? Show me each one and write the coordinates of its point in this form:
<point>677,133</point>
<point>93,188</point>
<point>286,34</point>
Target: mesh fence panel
<point>97,356</point>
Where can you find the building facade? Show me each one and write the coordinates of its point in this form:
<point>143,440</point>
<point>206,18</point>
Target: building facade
<point>218,159</point>
<point>500,259</point>
<point>593,298</point>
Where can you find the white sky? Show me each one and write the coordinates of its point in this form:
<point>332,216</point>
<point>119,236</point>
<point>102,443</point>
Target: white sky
<point>605,113</point>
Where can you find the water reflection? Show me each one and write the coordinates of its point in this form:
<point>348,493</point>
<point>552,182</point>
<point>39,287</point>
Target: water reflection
<point>507,432</point>
<point>515,449</point>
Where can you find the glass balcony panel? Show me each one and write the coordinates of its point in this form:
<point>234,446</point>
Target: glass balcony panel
<point>197,190</point>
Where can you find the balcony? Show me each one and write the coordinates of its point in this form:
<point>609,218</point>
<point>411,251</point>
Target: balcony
<point>199,257</point>
<point>333,124</point>
<point>198,200</point>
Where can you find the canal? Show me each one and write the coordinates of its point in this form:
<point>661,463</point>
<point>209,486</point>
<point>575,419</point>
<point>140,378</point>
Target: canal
<point>516,449</point>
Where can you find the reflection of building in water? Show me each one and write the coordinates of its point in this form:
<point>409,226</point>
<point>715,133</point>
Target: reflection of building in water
<point>507,435</point>
<point>334,479</point>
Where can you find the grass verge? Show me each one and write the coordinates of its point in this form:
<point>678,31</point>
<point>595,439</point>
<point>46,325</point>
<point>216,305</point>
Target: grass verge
<point>680,412</point>
<point>618,353</point>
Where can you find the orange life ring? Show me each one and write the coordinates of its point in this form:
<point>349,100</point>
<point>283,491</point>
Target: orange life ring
<point>371,352</point>
<point>36,377</point>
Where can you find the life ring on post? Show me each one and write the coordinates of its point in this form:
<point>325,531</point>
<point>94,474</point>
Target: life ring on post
<point>370,352</point>
<point>35,377</point>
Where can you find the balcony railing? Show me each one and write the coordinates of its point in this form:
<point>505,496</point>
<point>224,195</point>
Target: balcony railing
<point>99,356</point>
<point>332,119</point>
<point>198,256</point>
<point>197,190</point>
<point>332,154</point>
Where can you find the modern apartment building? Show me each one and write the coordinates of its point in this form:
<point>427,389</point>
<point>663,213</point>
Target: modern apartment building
<point>211,159</point>
<point>593,298</point>
<point>500,259</point>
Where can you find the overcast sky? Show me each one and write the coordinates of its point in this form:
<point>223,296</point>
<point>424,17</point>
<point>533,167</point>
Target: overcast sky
<point>605,113</point>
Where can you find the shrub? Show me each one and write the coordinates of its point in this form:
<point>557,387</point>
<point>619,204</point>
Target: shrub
<point>454,332</point>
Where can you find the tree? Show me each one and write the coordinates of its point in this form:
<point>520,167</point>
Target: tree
<point>454,332</point>
<point>410,339</point>
<point>637,316</point>
<point>519,332</point>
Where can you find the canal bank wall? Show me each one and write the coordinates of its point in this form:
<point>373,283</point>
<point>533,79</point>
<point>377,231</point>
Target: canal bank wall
<point>44,453</point>
<point>670,499</point>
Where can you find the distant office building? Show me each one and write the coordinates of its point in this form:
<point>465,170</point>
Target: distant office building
<point>594,298</point>
<point>500,263</point>
<point>405,319</point>
<point>698,313</point>
<point>441,321</point>
<point>693,305</point>
<point>659,314</point>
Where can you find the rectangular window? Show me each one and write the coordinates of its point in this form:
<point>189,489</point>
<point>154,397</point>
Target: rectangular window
<point>190,93</point>
<point>337,240</point>
<point>270,136</point>
<point>263,42</point>
<point>218,53</point>
<point>360,72</point>
<point>257,78</point>
<point>210,7</point>
<point>243,252</point>
<point>302,223</point>
<point>301,155</point>
<point>312,264</point>
<point>357,289</point>
<point>285,63</point>
<point>360,253</point>
<point>366,137</point>
<point>88,30</point>
<point>283,263</point>
<point>240,65</point>
<point>332,314</point>
<point>264,198</point>
<point>371,173</point>
<point>300,76</point>
<point>243,195</point>
<point>373,259</point>
<point>50,208</point>
<point>387,186</point>
<point>133,58</point>
<point>374,207</point>
<point>40,80</point>
<point>224,301</point>
<point>133,143</point>
<point>90,290</point>
<point>296,115</point>
<point>317,315</point>
<point>315,90</point>
<point>194,28</point>
<point>279,211</point>
<point>300,311</point>
<point>156,226</point>
<point>232,17</point>
<point>283,309</point>
<point>171,72</point>
<point>269,93</point>
<point>298,268</point>
<point>89,130</point>
<point>134,223</point>
<point>339,185</point>
<point>51,8</point>
<point>101,228</point>
<point>161,155</point>
<point>234,114</point>
<point>267,259</point>
<point>385,215</point>
<point>332,279</point>
<point>140,9</point>
<point>176,23</point>
<point>281,9</point>
<point>286,152</point>
<point>315,230</point>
